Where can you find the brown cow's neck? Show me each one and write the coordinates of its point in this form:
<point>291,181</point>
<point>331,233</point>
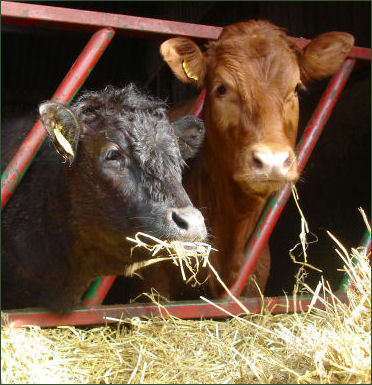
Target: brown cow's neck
<point>230,213</point>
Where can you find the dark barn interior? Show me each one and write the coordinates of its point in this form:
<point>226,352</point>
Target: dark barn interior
<point>337,178</point>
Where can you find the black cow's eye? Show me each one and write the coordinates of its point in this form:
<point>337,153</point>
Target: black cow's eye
<point>221,90</point>
<point>112,154</point>
<point>113,157</point>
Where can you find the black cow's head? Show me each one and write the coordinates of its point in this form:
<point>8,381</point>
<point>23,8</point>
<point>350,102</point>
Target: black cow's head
<point>125,163</point>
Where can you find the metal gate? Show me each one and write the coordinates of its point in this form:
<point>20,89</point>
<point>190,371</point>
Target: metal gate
<point>105,26</point>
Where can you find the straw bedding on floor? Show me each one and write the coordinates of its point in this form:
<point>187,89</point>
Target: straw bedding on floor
<point>332,345</point>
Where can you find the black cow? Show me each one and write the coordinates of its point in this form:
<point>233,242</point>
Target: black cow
<point>67,222</point>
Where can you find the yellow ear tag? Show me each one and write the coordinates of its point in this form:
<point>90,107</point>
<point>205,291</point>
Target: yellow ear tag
<point>62,140</point>
<point>188,72</point>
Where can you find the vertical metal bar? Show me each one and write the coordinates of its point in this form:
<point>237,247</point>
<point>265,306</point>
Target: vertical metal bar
<point>366,242</point>
<point>66,91</point>
<point>276,203</point>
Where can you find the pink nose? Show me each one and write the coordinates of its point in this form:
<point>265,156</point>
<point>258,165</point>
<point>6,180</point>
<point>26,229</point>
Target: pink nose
<point>265,161</point>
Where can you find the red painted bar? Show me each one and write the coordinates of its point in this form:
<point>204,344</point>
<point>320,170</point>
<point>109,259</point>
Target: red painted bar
<point>322,112</point>
<point>367,245</point>
<point>264,228</point>
<point>197,108</point>
<point>13,12</point>
<point>96,20</point>
<point>95,296</point>
<point>74,79</point>
<point>186,310</point>
<point>275,205</point>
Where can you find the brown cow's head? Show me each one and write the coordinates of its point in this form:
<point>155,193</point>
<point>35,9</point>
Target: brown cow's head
<point>252,74</point>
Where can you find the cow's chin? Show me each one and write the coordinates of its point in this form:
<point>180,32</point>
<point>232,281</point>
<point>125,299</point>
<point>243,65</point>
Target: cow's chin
<point>266,188</point>
<point>261,188</point>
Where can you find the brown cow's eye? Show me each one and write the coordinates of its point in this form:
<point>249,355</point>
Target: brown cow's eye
<point>221,90</point>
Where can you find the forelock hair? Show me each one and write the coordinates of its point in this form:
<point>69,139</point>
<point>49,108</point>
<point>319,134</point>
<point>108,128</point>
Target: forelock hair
<point>117,100</point>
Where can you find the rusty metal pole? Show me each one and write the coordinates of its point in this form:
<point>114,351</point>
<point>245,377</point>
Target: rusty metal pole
<point>276,203</point>
<point>66,91</point>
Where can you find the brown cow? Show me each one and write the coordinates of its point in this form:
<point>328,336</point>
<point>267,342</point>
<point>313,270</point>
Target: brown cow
<point>251,74</point>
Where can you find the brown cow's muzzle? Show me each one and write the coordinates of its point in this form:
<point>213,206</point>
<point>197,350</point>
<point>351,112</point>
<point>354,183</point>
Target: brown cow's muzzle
<point>273,164</point>
<point>267,168</point>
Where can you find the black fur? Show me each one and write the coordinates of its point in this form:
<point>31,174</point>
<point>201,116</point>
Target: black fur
<point>67,224</point>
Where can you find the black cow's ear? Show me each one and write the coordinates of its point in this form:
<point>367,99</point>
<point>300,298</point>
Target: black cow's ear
<point>191,132</point>
<point>63,128</point>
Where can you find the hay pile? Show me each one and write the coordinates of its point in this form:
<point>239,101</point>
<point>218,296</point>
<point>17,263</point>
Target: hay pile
<point>332,346</point>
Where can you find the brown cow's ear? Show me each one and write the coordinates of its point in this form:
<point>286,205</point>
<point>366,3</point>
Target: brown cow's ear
<point>185,59</point>
<point>62,127</point>
<point>324,55</point>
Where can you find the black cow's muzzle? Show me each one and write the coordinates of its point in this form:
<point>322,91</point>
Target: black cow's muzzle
<point>186,224</point>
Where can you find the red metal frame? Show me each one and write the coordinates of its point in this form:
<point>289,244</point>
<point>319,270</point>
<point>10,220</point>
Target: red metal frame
<point>64,94</point>
<point>98,290</point>
<point>33,14</point>
<point>190,310</point>
<point>107,24</point>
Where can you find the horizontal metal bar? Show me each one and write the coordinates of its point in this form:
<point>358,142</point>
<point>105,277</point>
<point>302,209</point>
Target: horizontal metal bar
<point>186,310</point>
<point>276,203</point>
<point>70,85</point>
<point>14,11</point>
<point>94,19</point>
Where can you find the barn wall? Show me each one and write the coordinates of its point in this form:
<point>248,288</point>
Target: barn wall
<point>337,179</point>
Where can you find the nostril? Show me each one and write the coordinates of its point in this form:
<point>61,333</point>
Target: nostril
<point>186,224</point>
<point>179,221</point>
<point>256,161</point>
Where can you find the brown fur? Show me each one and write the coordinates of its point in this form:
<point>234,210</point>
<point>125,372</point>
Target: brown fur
<point>260,68</point>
